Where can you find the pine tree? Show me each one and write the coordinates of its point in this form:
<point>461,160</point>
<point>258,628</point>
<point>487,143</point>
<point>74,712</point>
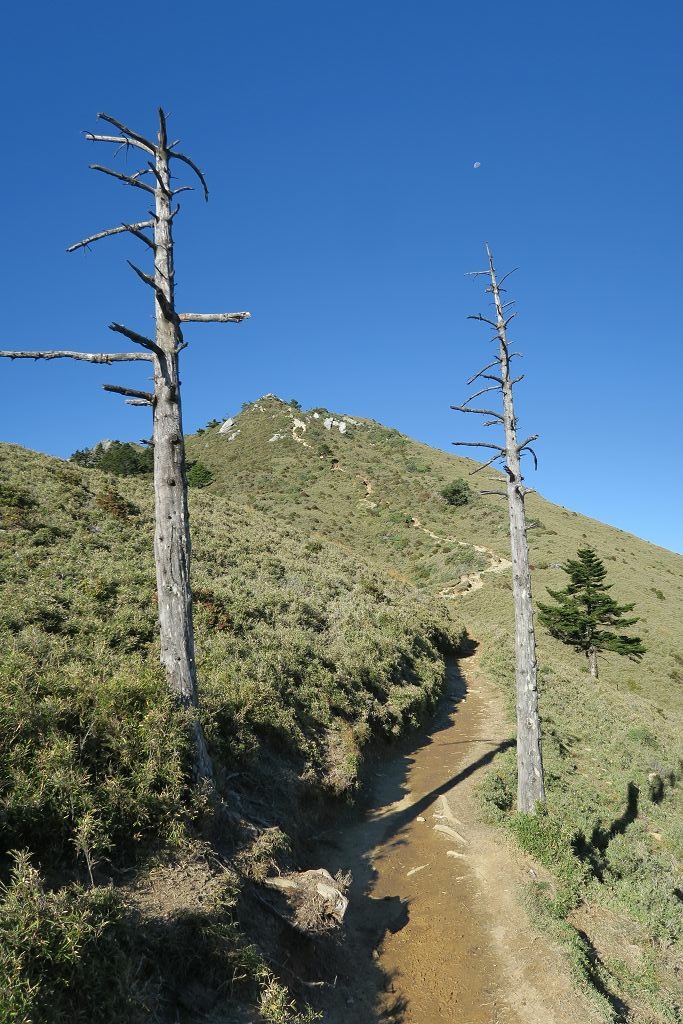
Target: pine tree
<point>584,607</point>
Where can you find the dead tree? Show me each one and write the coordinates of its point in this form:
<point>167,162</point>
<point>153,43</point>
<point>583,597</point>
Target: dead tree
<point>530,782</point>
<point>172,532</point>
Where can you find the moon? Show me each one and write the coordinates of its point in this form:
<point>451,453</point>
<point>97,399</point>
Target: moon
<point>477,165</point>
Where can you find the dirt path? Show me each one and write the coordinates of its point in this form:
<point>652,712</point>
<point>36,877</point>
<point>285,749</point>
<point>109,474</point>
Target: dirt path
<point>435,931</point>
<point>471,581</point>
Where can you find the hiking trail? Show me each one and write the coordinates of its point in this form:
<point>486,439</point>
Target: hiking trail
<point>435,930</point>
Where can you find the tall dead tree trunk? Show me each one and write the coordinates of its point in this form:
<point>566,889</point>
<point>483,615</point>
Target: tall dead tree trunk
<point>172,546</point>
<point>530,781</point>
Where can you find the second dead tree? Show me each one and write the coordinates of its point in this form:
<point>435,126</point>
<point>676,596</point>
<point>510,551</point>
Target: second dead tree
<point>530,780</point>
<point>172,546</point>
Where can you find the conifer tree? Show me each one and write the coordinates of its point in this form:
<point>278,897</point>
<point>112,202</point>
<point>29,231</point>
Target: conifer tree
<point>584,608</point>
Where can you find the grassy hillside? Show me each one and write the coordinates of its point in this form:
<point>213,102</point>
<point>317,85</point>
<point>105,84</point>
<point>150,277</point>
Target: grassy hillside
<point>612,838</point>
<point>330,576</point>
<point>119,888</point>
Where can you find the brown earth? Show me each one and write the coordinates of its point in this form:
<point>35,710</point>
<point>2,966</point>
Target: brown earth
<point>435,929</point>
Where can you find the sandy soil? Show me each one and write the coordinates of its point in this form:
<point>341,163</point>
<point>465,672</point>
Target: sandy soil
<point>435,929</point>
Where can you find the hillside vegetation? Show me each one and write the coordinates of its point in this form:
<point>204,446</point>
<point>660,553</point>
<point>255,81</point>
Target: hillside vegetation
<point>305,652</point>
<point>332,574</point>
<point>612,838</point>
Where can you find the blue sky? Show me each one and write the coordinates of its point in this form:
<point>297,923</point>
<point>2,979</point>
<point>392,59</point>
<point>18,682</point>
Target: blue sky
<point>339,140</point>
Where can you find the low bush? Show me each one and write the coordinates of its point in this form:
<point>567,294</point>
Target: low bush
<point>198,475</point>
<point>457,493</point>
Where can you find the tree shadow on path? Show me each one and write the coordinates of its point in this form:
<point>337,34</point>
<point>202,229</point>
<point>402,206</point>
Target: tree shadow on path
<point>356,985</point>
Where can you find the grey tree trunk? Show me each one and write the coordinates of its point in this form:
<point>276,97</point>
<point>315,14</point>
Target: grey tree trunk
<point>172,549</point>
<point>593,661</point>
<point>172,544</point>
<point>530,780</point>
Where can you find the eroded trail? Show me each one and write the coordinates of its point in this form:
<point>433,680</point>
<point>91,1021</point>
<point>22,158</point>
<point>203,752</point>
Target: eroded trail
<point>435,929</point>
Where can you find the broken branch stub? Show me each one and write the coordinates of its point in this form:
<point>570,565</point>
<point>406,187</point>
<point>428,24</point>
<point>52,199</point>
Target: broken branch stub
<point>215,318</point>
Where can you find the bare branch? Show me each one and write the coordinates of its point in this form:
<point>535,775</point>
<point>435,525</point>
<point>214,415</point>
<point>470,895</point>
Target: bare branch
<point>479,444</point>
<point>190,163</point>
<point>218,318</point>
<point>137,401</point>
<point>140,173</point>
<point>526,441</point>
<point>492,376</point>
<point>484,320</point>
<point>166,308</point>
<point>142,142</point>
<point>481,372</point>
<point>500,494</point>
<point>505,276</point>
<point>135,229</point>
<point>479,412</point>
<point>145,396</point>
<point>160,181</point>
<point>528,448</point>
<point>477,394</point>
<point>147,278</point>
<point>516,380</point>
<point>183,188</point>
<point>121,140</point>
<point>129,179</point>
<point>495,458</point>
<point>139,339</point>
<point>88,357</point>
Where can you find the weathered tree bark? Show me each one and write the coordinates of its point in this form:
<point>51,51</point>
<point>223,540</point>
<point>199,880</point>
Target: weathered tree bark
<point>172,546</point>
<point>593,662</point>
<point>530,781</point>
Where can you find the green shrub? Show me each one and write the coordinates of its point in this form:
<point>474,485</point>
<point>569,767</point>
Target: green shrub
<point>198,475</point>
<point>47,942</point>
<point>457,493</point>
<point>87,769</point>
